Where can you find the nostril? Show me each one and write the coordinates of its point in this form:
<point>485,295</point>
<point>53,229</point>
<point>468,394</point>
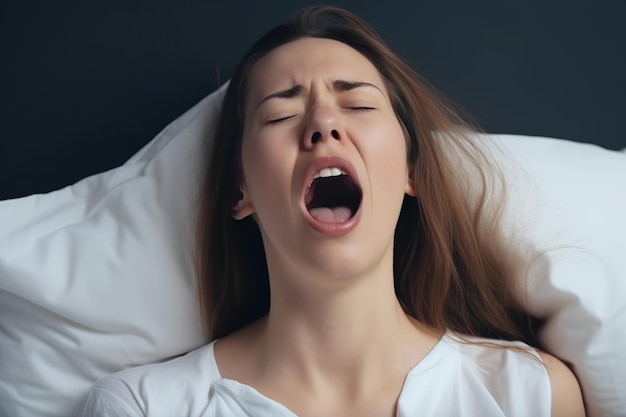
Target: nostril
<point>335,134</point>
<point>316,137</point>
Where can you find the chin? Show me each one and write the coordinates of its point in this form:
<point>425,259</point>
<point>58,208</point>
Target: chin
<point>345,261</point>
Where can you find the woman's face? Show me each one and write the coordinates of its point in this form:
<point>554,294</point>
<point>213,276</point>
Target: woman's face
<point>324,160</point>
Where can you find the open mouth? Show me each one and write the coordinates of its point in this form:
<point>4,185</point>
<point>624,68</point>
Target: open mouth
<point>332,197</point>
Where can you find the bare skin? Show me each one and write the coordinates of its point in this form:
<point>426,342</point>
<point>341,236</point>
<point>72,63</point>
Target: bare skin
<point>336,341</point>
<point>339,381</point>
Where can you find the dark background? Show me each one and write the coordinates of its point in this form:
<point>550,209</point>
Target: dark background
<point>85,84</point>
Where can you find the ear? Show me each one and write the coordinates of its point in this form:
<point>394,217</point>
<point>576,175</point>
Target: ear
<point>409,187</point>
<point>243,206</point>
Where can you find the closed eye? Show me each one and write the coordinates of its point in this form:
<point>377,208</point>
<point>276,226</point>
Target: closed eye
<point>361,108</point>
<point>278,120</point>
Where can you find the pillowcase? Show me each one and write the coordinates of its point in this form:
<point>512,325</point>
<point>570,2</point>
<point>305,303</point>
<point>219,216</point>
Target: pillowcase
<point>567,206</point>
<point>97,277</point>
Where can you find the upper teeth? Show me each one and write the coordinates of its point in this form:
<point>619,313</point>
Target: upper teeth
<point>329,172</point>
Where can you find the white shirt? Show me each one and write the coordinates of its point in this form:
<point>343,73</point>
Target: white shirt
<point>454,379</point>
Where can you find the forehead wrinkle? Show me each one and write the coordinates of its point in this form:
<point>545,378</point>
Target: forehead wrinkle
<point>308,68</point>
<point>337,85</point>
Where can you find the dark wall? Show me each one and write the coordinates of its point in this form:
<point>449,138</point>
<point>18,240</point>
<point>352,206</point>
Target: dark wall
<point>83,85</point>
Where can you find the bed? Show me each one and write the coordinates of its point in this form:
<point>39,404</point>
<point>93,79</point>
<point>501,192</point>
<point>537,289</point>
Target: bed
<point>104,106</point>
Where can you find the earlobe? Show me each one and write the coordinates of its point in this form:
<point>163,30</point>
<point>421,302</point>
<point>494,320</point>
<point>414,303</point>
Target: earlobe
<point>409,188</point>
<point>242,207</point>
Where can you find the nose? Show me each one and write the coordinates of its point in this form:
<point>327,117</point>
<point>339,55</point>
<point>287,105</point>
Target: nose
<point>323,126</point>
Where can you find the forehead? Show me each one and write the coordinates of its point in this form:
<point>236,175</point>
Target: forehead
<point>306,60</point>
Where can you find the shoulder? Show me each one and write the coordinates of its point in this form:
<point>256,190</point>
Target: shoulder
<point>506,362</point>
<point>471,376</point>
<point>515,364</point>
<point>500,357</point>
<point>507,373</point>
<point>111,400</point>
<point>567,398</point>
<point>173,383</point>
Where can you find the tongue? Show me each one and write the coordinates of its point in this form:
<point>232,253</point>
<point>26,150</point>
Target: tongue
<point>331,215</point>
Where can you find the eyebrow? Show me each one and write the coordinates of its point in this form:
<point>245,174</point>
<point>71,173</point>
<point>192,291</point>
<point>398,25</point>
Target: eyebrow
<point>343,85</point>
<point>338,85</point>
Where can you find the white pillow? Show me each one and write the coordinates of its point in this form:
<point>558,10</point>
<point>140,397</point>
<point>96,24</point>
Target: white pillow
<point>568,210</point>
<point>97,277</point>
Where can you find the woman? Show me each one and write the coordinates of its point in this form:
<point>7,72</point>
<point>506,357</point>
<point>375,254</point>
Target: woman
<point>335,186</point>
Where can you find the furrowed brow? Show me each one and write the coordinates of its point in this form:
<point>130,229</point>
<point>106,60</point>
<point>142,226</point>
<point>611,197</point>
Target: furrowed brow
<point>294,91</point>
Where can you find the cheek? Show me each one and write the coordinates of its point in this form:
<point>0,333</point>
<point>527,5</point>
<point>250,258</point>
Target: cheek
<point>387,149</point>
<point>266,169</point>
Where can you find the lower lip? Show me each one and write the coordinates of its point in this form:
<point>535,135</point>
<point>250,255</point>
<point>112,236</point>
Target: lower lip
<point>333,229</point>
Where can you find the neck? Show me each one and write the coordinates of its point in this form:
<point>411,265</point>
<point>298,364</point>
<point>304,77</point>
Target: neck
<point>343,334</point>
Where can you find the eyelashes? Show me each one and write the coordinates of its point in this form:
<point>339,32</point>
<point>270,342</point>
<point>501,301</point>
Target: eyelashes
<point>277,120</point>
<point>361,108</point>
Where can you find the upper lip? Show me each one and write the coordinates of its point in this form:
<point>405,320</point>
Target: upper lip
<point>332,161</point>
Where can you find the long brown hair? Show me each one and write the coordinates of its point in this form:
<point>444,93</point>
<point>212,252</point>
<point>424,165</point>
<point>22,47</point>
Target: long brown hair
<point>449,267</point>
